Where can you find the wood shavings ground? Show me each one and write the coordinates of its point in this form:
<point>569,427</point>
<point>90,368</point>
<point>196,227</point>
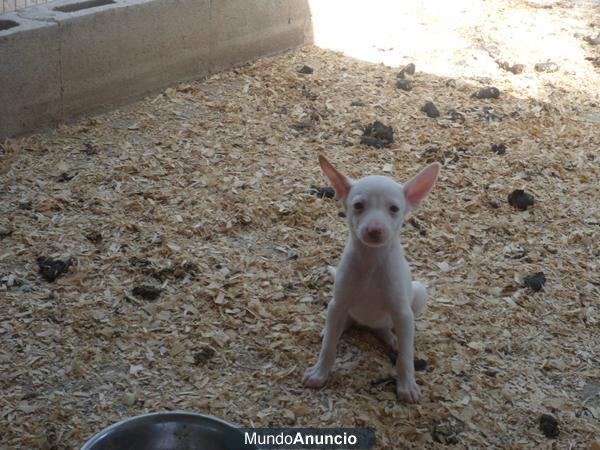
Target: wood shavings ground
<point>203,194</point>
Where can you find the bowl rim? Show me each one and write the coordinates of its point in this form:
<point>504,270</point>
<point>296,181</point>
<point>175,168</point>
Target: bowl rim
<point>87,445</point>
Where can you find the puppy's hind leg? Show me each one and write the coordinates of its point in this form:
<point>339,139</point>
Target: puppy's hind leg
<point>389,339</point>
<point>419,298</point>
<point>347,324</point>
<point>418,305</point>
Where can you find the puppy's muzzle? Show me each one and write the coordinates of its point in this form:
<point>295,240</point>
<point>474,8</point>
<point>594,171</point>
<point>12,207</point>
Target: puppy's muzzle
<point>374,236</point>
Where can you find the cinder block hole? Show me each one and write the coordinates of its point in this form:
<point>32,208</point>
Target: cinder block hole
<point>6,24</point>
<point>83,5</point>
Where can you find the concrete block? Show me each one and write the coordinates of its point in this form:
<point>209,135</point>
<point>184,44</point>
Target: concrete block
<point>29,75</point>
<point>121,51</point>
<point>81,56</point>
<point>244,30</point>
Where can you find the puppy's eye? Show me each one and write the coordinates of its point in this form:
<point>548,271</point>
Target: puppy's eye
<point>358,206</point>
<point>394,209</point>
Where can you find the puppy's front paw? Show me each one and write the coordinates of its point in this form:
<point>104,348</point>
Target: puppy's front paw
<point>408,391</point>
<point>314,377</point>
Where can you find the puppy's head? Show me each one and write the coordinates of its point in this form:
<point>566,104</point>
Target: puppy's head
<point>375,206</point>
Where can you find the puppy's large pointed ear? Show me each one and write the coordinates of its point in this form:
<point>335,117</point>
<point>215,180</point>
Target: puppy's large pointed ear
<point>417,188</point>
<point>341,184</point>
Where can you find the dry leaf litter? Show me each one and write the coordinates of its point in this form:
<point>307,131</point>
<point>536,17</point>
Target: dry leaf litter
<point>195,250</point>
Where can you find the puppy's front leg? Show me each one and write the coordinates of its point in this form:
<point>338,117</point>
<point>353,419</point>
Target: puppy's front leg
<point>337,317</point>
<point>406,386</point>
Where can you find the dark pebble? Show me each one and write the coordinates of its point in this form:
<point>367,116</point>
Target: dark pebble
<point>304,125</point>
<point>203,356</point>
<point>322,192</point>
<point>455,115</point>
<point>410,69</point>
<point>520,199</point>
<point>94,236</point>
<point>535,282</point>
<point>64,177</point>
<point>5,232</point>
<point>514,68</point>
<point>309,94</point>
<point>146,292</point>
<point>431,110</point>
<point>134,261</point>
<point>26,205</point>
<point>546,67</point>
<point>491,373</point>
<point>417,226</point>
<point>51,269</point>
<point>357,103</point>
<point>430,151</point>
<point>592,40</point>
<point>378,135</point>
<point>404,84</point>
<point>446,433</point>
<point>420,364</point>
<point>595,61</point>
<point>306,70</point>
<point>500,149</point>
<point>178,272</point>
<point>494,204</point>
<point>489,92</point>
<point>549,425</point>
<point>90,149</point>
<point>373,142</point>
<point>489,115</point>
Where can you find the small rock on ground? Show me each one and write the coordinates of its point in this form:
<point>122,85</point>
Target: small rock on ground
<point>146,292</point>
<point>548,67</point>
<point>499,149</point>
<point>378,135</point>
<point>306,70</point>
<point>409,69</point>
<point>489,92</point>
<point>592,40</point>
<point>549,425</point>
<point>404,84</point>
<point>536,281</point>
<point>431,110</point>
<point>420,364</point>
<point>513,68</point>
<point>520,199</point>
<point>50,268</point>
<point>322,192</point>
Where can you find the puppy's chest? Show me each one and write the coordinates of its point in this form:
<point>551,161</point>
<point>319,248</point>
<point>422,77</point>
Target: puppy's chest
<point>357,287</point>
<point>369,297</point>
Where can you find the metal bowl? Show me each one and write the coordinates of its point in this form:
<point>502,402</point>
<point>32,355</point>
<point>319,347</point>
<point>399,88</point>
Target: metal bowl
<point>167,431</point>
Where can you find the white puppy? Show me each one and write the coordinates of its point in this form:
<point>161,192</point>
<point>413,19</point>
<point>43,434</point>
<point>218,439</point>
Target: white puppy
<point>373,285</point>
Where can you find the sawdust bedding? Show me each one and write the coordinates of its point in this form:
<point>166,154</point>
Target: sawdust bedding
<point>198,253</point>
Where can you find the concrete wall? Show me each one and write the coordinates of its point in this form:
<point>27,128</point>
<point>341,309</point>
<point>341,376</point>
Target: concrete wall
<point>56,65</point>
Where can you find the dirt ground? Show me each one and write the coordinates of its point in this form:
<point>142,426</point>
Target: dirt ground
<point>198,250</point>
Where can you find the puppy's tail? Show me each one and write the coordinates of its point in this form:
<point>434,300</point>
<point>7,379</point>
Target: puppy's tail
<point>419,298</point>
<point>332,270</point>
